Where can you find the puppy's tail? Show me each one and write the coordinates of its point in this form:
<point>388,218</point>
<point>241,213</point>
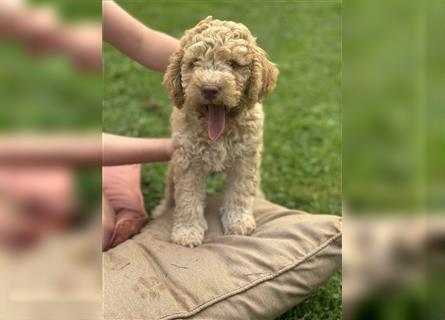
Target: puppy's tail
<point>160,209</point>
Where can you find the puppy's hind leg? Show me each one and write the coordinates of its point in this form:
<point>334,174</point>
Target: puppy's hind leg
<point>168,201</point>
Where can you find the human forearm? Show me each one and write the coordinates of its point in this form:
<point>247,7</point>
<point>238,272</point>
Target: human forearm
<point>34,149</point>
<point>43,32</point>
<point>118,150</point>
<point>78,150</point>
<point>148,47</point>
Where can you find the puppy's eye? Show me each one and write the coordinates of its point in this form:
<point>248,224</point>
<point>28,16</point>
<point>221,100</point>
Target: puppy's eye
<point>194,63</point>
<point>233,64</point>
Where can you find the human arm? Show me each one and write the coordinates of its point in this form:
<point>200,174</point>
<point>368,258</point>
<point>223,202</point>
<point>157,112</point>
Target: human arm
<point>148,47</point>
<point>119,150</point>
<point>78,150</point>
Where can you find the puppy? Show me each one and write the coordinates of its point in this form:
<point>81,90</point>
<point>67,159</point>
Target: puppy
<point>216,81</point>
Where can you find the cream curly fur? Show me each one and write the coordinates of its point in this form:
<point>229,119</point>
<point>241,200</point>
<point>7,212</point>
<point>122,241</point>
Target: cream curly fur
<point>225,54</point>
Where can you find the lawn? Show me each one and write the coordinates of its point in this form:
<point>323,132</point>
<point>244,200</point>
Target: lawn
<point>301,166</point>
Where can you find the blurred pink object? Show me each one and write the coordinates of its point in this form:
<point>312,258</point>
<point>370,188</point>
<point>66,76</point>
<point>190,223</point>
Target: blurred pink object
<point>41,31</point>
<point>35,200</point>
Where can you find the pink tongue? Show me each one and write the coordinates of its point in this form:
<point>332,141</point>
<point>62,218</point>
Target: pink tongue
<point>217,120</point>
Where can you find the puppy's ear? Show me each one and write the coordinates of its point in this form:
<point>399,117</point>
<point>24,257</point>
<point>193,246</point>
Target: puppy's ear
<point>202,25</point>
<point>270,74</point>
<point>172,79</point>
<point>262,79</point>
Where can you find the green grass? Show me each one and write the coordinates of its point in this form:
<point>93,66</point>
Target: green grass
<point>302,158</point>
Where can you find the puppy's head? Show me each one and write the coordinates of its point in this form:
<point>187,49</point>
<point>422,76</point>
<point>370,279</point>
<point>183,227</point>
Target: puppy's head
<point>219,70</point>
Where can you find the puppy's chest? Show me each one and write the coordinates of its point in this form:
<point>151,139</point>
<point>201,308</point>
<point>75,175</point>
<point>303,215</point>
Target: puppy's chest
<point>241,139</point>
<point>216,156</point>
<point>220,155</point>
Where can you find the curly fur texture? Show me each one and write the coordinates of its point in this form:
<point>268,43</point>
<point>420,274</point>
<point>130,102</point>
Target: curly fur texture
<point>223,54</point>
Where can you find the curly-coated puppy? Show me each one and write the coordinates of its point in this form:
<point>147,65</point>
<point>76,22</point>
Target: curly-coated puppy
<point>216,81</point>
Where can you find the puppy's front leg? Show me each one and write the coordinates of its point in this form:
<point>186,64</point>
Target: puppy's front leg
<point>237,216</point>
<point>189,224</point>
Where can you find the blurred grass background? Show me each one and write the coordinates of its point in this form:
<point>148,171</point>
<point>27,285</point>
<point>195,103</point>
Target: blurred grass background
<point>46,94</point>
<point>302,157</point>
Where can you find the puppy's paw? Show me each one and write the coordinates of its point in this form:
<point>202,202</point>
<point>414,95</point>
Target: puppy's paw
<point>187,236</point>
<point>242,223</point>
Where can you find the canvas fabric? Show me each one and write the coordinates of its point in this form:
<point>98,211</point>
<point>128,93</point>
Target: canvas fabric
<point>290,254</point>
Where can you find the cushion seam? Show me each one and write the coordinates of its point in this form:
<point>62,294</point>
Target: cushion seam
<point>258,281</point>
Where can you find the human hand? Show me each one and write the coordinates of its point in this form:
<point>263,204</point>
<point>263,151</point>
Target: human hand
<point>123,211</point>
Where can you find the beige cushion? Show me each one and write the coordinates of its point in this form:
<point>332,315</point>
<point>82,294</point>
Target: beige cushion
<point>228,277</point>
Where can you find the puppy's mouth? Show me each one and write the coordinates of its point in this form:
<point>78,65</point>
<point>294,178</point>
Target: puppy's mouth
<point>216,121</point>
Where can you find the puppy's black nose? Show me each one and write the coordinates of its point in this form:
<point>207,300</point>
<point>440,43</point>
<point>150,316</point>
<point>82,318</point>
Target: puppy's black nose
<point>209,91</point>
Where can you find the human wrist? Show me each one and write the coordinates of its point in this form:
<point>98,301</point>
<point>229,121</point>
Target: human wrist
<point>167,148</point>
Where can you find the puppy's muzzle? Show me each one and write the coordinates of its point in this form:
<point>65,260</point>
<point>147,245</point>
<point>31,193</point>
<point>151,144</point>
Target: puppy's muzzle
<point>209,91</point>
